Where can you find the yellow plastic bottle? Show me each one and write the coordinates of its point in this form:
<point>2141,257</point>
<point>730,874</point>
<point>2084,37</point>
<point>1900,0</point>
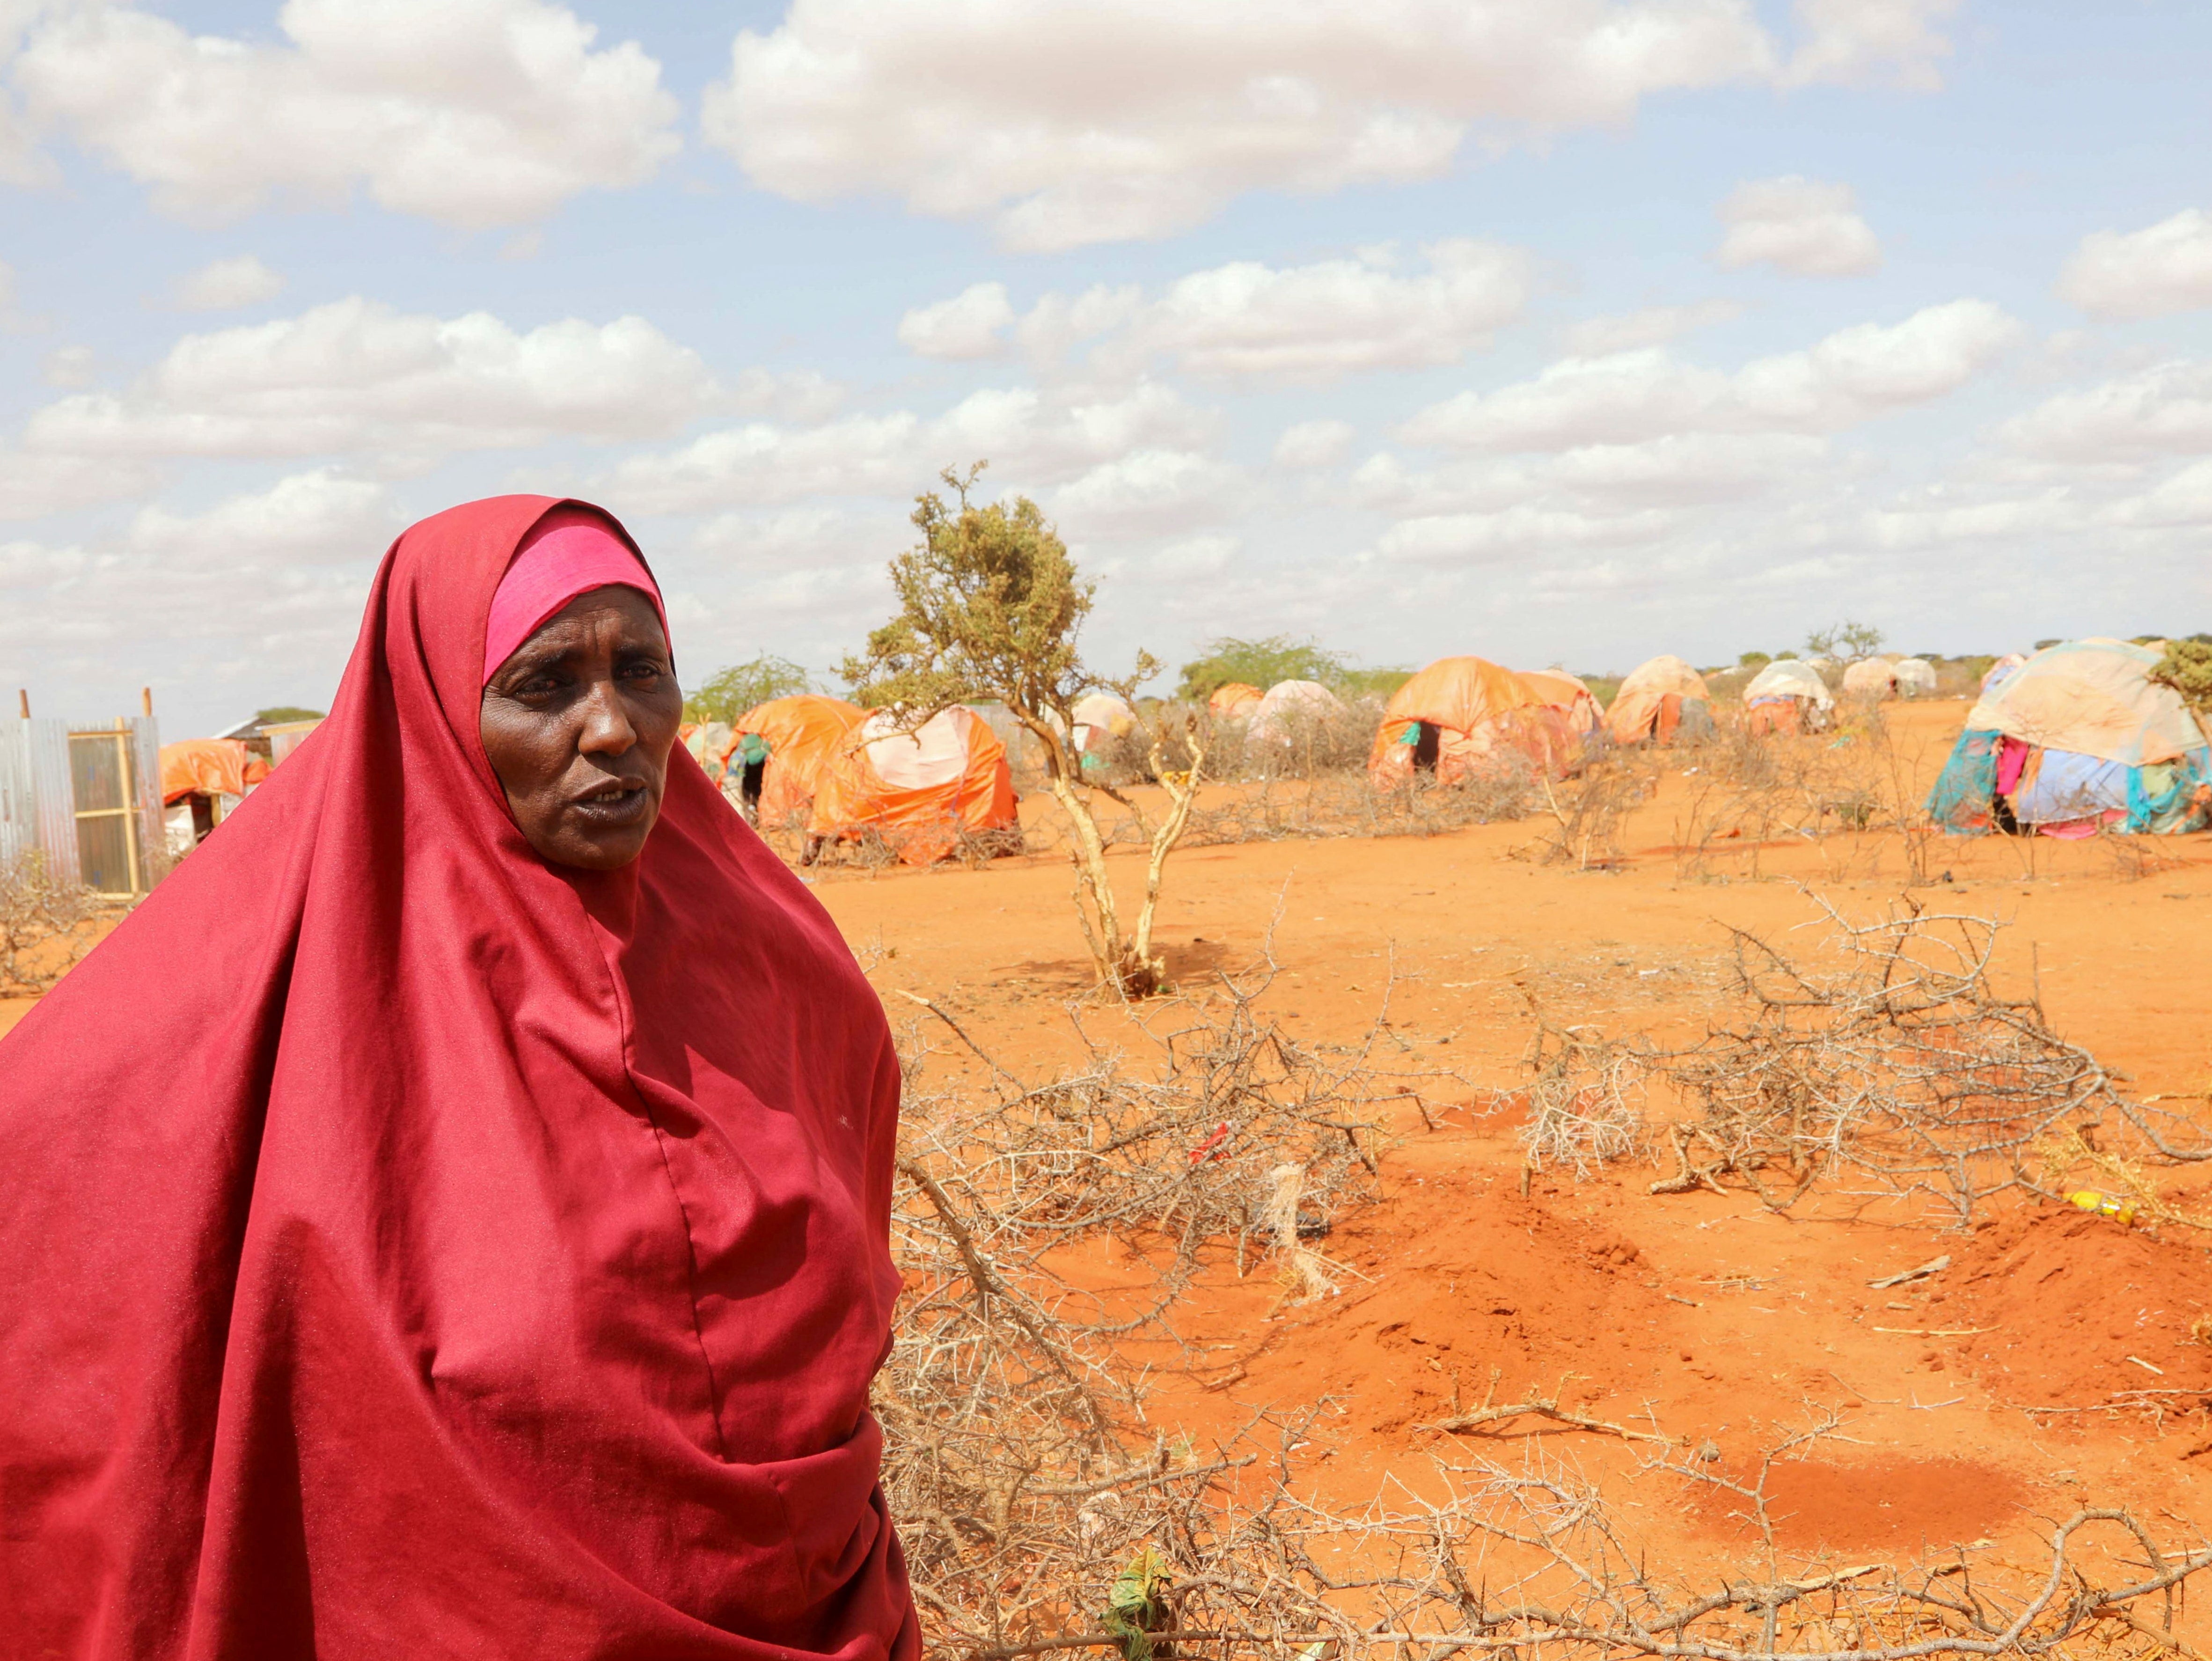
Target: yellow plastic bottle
<point>2105,1205</point>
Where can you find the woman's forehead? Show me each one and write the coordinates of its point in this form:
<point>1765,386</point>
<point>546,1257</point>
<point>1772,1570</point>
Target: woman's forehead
<point>618,611</point>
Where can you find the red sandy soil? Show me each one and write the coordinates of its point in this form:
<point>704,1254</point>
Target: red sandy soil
<point>1702,1314</point>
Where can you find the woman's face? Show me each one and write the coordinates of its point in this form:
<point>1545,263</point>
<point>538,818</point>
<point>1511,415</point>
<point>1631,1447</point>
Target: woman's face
<point>578,724</point>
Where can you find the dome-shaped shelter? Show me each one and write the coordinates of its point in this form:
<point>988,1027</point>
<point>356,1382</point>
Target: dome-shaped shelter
<point>1664,702</point>
<point>778,750</point>
<point>2078,740</point>
<point>1291,706</point>
<point>1571,695</point>
<point>1462,716</point>
<point>921,791</point>
<point>1870,678</point>
<point>1788,697</point>
<point>1915,678</point>
<point>1100,718</point>
<point>2000,671</point>
<point>1237,701</point>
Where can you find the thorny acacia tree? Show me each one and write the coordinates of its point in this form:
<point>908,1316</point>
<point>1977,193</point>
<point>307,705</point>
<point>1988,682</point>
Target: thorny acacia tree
<point>989,607</point>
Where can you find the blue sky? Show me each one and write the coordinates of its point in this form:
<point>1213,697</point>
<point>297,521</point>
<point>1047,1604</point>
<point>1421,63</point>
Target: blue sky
<point>1568,331</point>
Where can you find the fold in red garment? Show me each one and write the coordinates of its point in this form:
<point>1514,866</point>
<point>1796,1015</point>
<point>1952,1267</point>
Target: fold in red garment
<point>413,1249</point>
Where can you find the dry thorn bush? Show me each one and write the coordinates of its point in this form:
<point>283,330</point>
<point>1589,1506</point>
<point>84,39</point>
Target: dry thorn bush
<point>1583,1097</point>
<point>1044,1509</point>
<point>1019,1460</point>
<point>1895,1058</point>
<point>43,925</point>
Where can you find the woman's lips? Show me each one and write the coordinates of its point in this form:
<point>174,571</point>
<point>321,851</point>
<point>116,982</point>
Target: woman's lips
<point>612,808</point>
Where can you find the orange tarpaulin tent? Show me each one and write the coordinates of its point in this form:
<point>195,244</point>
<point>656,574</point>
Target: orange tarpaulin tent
<point>920,791</point>
<point>802,734</point>
<point>1575,703</point>
<point>1461,716</point>
<point>1235,701</point>
<point>204,767</point>
<point>1652,700</point>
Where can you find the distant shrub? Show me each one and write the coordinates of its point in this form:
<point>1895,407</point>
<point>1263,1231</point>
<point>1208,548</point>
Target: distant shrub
<point>728,693</point>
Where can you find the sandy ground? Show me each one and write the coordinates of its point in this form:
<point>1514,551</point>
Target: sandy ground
<point>1702,1314</point>
<point>1709,1316</point>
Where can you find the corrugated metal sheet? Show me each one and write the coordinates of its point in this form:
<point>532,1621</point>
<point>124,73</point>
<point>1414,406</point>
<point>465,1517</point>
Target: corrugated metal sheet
<point>146,774</point>
<point>19,820</point>
<point>54,802</point>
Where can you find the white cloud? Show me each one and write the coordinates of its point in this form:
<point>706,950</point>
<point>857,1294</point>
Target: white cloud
<point>356,376</point>
<point>1853,375</point>
<point>2184,498</point>
<point>1031,439</point>
<point>1320,322</point>
<point>1148,492</point>
<point>1481,538</point>
<point>1122,118</point>
<point>972,324</point>
<point>473,112</point>
<point>2163,410</point>
<point>31,487</point>
<point>1797,225</point>
<point>2161,269</point>
<point>1654,326</point>
<point>317,518</point>
<point>1863,40</point>
<point>221,284</point>
<point>70,367</point>
<point>1205,555</point>
<point>1313,444</point>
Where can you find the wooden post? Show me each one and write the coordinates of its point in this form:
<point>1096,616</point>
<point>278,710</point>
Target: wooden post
<point>146,699</point>
<point>23,697</point>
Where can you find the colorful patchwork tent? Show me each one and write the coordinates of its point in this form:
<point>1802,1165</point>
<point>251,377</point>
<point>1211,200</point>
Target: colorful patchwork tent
<point>1461,717</point>
<point>1788,697</point>
<point>710,744</point>
<point>921,791</point>
<point>2078,740</point>
<point>778,750</point>
<point>1997,673</point>
<point>1664,701</point>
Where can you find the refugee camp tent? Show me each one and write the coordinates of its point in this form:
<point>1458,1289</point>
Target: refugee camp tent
<point>921,791</point>
<point>1584,716</point>
<point>1291,708</point>
<point>1235,702</point>
<point>1915,676</point>
<point>2078,740</point>
<point>710,744</point>
<point>1870,678</point>
<point>1461,717</point>
<point>778,750</point>
<point>1664,701</point>
<point>1100,718</point>
<point>1788,697</point>
<point>202,780</point>
<point>1995,674</point>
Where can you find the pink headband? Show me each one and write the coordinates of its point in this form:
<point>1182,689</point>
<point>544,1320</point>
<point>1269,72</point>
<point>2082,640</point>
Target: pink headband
<point>570,551</point>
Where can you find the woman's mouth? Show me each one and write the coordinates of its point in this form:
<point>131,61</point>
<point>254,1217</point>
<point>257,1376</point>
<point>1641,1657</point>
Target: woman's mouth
<point>613,805</point>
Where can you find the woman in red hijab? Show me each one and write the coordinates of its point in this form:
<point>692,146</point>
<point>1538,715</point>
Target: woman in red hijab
<point>449,1218</point>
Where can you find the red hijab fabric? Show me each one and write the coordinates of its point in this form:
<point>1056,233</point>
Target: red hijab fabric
<point>413,1249</point>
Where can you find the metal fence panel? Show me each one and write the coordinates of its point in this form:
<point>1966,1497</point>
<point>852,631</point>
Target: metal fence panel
<point>146,773</point>
<point>53,800</point>
<point>19,820</point>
